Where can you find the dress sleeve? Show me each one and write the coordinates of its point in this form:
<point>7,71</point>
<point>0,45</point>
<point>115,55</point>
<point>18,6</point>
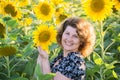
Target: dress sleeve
<point>72,67</point>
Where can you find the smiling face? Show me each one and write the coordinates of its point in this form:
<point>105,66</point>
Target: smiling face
<point>70,40</point>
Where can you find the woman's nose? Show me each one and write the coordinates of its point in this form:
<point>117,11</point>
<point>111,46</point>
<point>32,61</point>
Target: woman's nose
<point>70,38</point>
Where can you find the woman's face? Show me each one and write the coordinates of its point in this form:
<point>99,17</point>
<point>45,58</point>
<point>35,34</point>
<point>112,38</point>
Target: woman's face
<point>70,39</point>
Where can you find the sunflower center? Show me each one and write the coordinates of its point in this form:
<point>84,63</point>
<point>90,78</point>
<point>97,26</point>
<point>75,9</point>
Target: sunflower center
<point>118,0</point>
<point>45,9</point>
<point>57,10</point>
<point>97,5</point>
<point>44,36</point>
<point>9,9</point>
<point>7,51</point>
<point>13,14</point>
<point>62,17</point>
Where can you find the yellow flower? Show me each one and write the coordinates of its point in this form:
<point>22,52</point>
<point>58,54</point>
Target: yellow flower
<point>9,8</point>
<point>60,14</point>
<point>44,36</point>
<point>59,10</point>
<point>22,3</point>
<point>98,10</point>
<point>27,21</point>
<point>2,30</point>
<point>57,2</point>
<point>60,18</point>
<point>7,51</point>
<point>44,11</point>
<point>0,7</point>
<point>117,4</point>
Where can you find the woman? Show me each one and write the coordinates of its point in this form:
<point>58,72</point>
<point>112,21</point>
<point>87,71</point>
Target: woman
<point>77,38</point>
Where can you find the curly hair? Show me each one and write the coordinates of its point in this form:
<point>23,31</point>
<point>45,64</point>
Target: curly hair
<point>85,32</point>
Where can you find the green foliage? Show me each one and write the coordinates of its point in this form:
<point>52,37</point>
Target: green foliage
<point>97,59</point>
<point>12,23</point>
<point>40,76</point>
<point>20,78</point>
<point>102,64</point>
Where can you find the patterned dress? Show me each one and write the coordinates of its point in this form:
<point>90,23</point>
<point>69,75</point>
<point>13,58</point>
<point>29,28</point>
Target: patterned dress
<point>69,66</point>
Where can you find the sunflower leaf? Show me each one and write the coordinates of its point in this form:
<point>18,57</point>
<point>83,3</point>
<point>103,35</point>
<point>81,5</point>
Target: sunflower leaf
<point>97,59</point>
<point>20,78</point>
<point>12,23</point>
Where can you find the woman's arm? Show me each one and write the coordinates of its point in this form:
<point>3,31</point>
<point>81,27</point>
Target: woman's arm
<point>45,65</point>
<point>60,76</point>
<point>43,61</point>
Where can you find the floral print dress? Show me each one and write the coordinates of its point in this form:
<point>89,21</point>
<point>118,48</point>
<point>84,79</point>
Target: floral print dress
<point>69,66</point>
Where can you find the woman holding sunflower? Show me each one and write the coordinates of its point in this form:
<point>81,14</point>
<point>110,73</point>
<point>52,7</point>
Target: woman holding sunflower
<point>77,38</point>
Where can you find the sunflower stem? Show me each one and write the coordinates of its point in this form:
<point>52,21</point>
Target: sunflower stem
<point>8,66</point>
<point>102,40</point>
<point>6,37</point>
<point>25,30</point>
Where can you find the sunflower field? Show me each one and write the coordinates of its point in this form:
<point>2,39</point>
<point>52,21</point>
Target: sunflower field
<point>26,24</point>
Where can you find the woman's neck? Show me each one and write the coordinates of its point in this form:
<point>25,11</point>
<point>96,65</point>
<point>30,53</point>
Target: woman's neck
<point>65,53</point>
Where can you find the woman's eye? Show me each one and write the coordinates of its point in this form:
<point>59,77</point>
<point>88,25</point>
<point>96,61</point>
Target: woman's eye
<point>75,36</point>
<point>67,33</point>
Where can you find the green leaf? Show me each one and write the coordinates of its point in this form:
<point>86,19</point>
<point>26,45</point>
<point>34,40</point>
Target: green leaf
<point>6,18</point>
<point>12,23</point>
<point>48,76</point>
<point>20,78</point>
<point>109,66</point>
<point>97,59</point>
<point>38,69</point>
<point>114,74</point>
<point>38,72</point>
<point>118,48</point>
<point>92,68</point>
<point>53,46</point>
<point>40,76</point>
<point>29,68</point>
<point>108,73</point>
<point>28,49</point>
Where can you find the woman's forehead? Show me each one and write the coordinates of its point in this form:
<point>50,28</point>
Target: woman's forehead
<point>71,29</point>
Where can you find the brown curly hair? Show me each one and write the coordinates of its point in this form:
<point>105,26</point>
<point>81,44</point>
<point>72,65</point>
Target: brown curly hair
<point>85,31</point>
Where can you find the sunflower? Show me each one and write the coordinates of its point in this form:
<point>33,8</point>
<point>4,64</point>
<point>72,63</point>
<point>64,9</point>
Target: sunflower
<point>23,3</point>
<point>61,17</point>
<point>2,30</point>
<point>7,51</point>
<point>44,11</point>
<point>98,10</point>
<point>27,21</point>
<point>44,36</point>
<point>0,6</point>
<point>117,4</point>
<point>57,2</point>
<point>9,8</point>
<point>59,10</point>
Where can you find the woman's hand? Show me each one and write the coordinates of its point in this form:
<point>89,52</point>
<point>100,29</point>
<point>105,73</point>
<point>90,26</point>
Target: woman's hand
<point>42,53</point>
